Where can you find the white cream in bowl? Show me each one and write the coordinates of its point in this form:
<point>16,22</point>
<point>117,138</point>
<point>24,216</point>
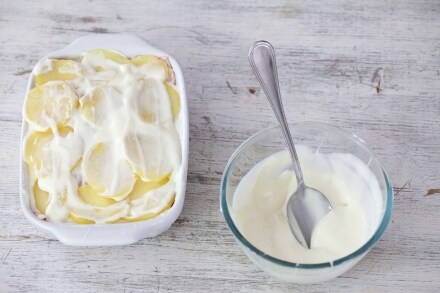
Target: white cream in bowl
<point>258,208</point>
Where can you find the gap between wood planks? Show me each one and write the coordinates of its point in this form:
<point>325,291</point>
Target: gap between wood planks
<point>404,185</point>
<point>432,191</point>
<point>4,260</point>
<point>429,192</point>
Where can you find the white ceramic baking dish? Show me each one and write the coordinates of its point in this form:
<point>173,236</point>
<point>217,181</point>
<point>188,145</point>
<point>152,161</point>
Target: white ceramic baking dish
<point>122,233</point>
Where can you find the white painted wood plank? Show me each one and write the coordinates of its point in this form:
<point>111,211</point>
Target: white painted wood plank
<point>327,55</point>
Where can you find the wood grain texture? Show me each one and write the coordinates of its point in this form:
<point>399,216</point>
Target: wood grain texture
<point>371,67</point>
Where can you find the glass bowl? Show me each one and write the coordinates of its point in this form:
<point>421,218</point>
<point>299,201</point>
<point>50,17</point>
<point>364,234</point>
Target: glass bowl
<point>328,139</point>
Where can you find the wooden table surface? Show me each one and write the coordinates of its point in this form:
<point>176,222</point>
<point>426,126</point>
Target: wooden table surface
<point>370,67</point>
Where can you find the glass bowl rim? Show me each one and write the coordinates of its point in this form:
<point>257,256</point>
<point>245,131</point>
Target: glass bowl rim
<point>360,251</point>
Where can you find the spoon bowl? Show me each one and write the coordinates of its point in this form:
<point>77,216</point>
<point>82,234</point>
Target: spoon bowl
<point>306,206</point>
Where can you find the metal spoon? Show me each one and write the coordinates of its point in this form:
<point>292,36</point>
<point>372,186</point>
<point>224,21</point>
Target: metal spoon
<point>307,205</point>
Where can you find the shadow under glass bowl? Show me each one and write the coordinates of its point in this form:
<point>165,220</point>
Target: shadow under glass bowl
<point>328,139</point>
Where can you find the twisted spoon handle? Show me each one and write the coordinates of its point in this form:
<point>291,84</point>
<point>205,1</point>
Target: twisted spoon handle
<point>262,59</point>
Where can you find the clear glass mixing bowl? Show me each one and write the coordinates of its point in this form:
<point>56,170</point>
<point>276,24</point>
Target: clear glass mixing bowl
<point>328,139</point>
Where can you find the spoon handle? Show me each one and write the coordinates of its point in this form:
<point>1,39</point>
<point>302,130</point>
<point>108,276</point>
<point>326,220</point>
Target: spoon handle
<point>262,59</point>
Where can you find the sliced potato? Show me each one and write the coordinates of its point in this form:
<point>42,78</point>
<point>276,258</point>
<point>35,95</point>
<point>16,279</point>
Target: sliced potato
<point>152,103</point>
<point>145,59</point>
<point>90,196</point>
<point>153,66</point>
<point>88,105</point>
<point>112,55</point>
<point>80,220</point>
<point>152,203</point>
<point>142,187</point>
<point>51,104</point>
<point>99,103</point>
<point>153,156</point>
<point>34,146</point>
<point>41,198</point>
<point>174,99</point>
<point>108,173</point>
<point>39,156</point>
<point>58,70</point>
<point>148,216</point>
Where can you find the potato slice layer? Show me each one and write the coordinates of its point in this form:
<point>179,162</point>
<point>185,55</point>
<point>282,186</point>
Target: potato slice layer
<point>51,104</point>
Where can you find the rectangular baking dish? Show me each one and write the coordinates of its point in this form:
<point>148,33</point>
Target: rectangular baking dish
<point>121,233</point>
